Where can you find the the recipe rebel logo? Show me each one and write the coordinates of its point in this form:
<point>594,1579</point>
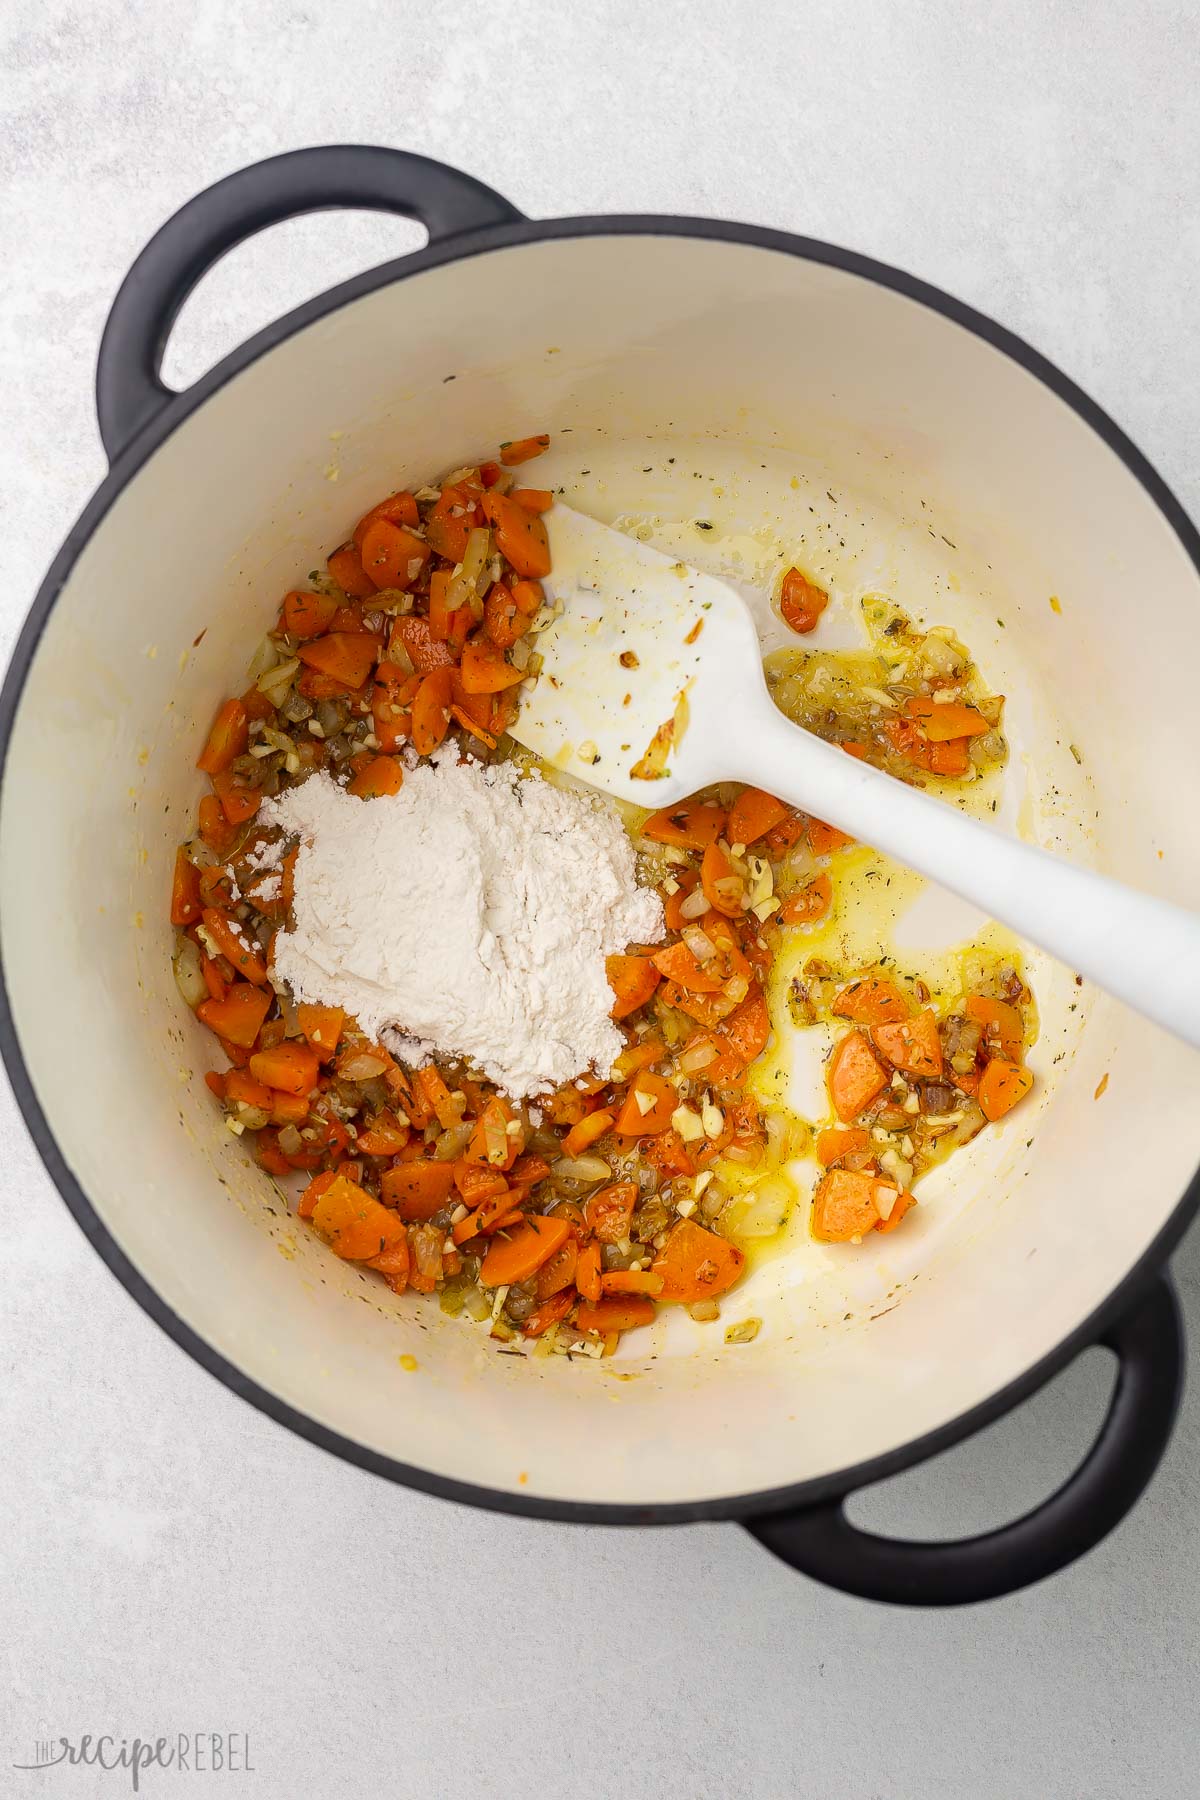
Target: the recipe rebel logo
<point>185,1752</point>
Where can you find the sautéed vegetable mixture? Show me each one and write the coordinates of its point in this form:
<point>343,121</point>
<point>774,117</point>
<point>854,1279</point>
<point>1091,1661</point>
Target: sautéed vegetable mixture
<point>570,1219</point>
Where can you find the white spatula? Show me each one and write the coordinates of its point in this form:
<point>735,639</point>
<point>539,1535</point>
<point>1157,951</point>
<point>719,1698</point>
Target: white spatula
<point>647,646</point>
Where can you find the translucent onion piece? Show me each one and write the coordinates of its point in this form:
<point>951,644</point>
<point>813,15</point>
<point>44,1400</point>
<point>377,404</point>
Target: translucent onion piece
<point>189,973</point>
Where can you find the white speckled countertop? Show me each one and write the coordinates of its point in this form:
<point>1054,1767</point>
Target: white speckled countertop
<point>173,1561</point>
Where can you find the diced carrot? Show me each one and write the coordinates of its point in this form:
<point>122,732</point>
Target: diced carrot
<point>447,525</point>
<point>214,1081</point>
<point>857,751</point>
<point>431,712</point>
<point>322,1027</point>
<point>228,739</point>
<point>288,1109</point>
<point>686,882</point>
<point>608,1213</point>
<point>534,500</point>
<point>503,621</point>
<point>234,945</point>
<point>239,1016</point>
<point>491,1141</point>
<point>345,656</point>
<point>824,839</point>
<point>484,670</point>
<point>648,1106</point>
<point>740,1038</point>
<point>477,1182</point>
<point>519,450</point>
<point>619,1313</point>
<point>696,1264</point>
<point>692,825</point>
<point>383,1135</point>
<point>753,814</point>
<point>871,1001</point>
<point>677,963</point>
<point>307,615</point>
<point>723,887</point>
<point>392,556</point>
<point>528,1170</point>
<point>910,742</point>
<point>417,1189</point>
<point>185,890</point>
<point>391,699</point>
<point>558,1272</point>
<point>489,473</point>
<point>290,1066</point>
<point>632,1281</point>
<point>216,887</point>
<point>632,979</point>
<point>1001,1021</point>
<point>357,1226</point>
<point>588,1131</point>
<point>238,802</point>
<point>518,1257</point>
<point>948,720</point>
<point>414,637</point>
<point>587,1273</point>
<point>809,903</point>
<point>844,1206</point>
<point>345,567</point>
<point>316,686</point>
<point>398,509</point>
<point>348,617</point>
<point>855,1076</point>
<point>900,1206</point>
<point>1001,1085</point>
<point>801,601</point>
<point>319,1185</point>
<point>215,828</point>
<point>911,1044</point>
<point>381,776</point>
<point>785,836</point>
<point>528,597</point>
<point>520,536</point>
<point>242,1087</point>
<point>548,1312</point>
<point>837,1141</point>
<point>395,1264</point>
<point>669,1155</point>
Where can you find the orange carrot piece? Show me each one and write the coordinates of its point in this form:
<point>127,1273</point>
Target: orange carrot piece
<point>382,776</point>
<point>587,1273</point>
<point>696,1264</point>
<point>322,1027</point>
<point>185,890</point>
<point>1001,1085</point>
<point>484,670</point>
<point>227,739</point>
<point>417,1189</point>
<point>558,1271</point>
<point>844,1206</point>
<point>395,1264</point>
<point>519,450</point>
<point>491,1141</point>
<point>319,1185</point>
<point>238,803</point>
<point>243,1088</point>
<point>753,814</point>
<point>1001,1021</point>
<point>722,887</point>
<point>900,1206</point>
<point>448,1111</point>
<point>801,601</point>
<point>837,1141</point>
<point>633,1281</point>
<point>871,1001</point>
<point>534,500</point>
<point>855,1076</point>
<point>632,979</point>
<point>345,656</point>
<point>345,567</point>
<point>622,1313</point>
<point>238,1017</point>
<point>809,903</point>
<point>431,712</point>
<point>392,556</point>
<point>588,1131</point>
<point>414,637</point>
<point>357,1226</point>
<point>518,1257</point>
<point>678,963</point>
<point>911,1044</point>
<point>383,1135</point>
<point>692,825</point>
<point>824,839</point>
<point>399,509</point>
<point>548,1312</point>
<point>660,1099</point>
<point>289,1066</point>
<point>288,1109</point>
<point>307,615</point>
<point>215,828</point>
<point>740,1038</point>
<point>477,1182</point>
<point>520,536</point>
<point>391,699</point>
<point>528,597</point>
<point>232,944</point>
<point>948,720</point>
<point>608,1212</point>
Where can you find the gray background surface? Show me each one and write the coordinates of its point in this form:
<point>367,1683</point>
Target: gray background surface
<point>174,1562</point>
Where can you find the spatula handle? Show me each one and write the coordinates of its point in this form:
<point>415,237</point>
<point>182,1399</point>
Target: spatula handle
<point>1144,951</point>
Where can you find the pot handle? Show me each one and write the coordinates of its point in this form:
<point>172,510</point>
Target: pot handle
<point>129,388</point>
<point>1147,1339</point>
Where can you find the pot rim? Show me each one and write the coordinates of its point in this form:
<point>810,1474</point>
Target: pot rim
<point>459,247</point>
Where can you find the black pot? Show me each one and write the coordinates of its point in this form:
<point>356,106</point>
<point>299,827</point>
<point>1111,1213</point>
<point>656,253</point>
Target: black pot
<point>734,350</point>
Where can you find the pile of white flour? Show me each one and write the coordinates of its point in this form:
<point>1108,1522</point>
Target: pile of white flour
<point>470,914</point>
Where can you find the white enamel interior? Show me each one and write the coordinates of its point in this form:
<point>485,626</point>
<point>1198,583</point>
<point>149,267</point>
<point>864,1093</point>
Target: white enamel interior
<point>735,356</point>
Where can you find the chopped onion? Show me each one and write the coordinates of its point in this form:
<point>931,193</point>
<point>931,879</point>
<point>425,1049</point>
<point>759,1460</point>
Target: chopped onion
<point>697,1056</point>
<point>762,1212</point>
<point>264,658</point>
<point>362,1065</point>
<point>581,1168</point>
<point>463,588</point>
<point>696,904</point>
<point>452,1143</point>
<point>189,973</point>
<point>276,682</point>
<point>703,1311</point>
<point>699,943</point>
<point>290,1141</point>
